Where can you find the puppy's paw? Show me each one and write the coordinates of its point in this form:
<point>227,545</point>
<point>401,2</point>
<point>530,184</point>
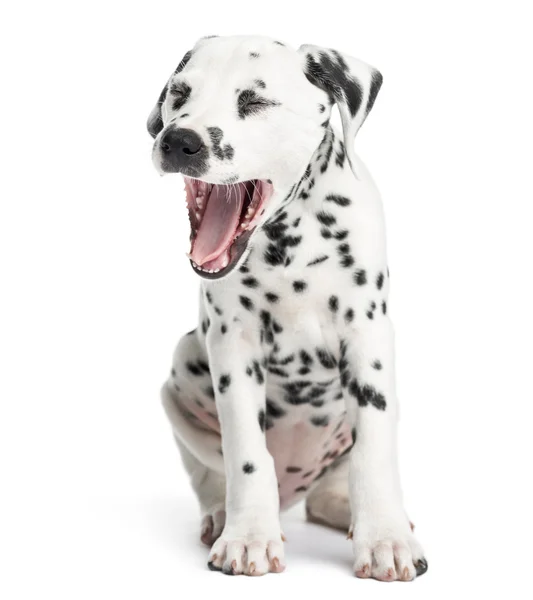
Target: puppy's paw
<point>250,554</point>
<point>387,551</point>
<point>212,525</point>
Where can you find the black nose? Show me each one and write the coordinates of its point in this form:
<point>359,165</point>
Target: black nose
<point>183,151</point>
<point>183,141</point>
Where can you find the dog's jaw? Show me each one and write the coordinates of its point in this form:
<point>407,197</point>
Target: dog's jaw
<point>223,218</point>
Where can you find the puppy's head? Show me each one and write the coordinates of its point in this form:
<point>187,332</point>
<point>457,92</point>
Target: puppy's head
<point>240,119</point>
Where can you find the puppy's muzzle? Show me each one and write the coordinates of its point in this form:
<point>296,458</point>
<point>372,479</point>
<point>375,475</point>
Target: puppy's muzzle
<point>183,151</point>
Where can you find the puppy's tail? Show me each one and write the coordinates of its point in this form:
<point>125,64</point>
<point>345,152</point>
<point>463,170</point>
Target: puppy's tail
<point>204,445</point>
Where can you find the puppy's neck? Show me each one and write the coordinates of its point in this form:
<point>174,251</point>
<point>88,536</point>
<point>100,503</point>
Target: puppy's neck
<point>321,167</point>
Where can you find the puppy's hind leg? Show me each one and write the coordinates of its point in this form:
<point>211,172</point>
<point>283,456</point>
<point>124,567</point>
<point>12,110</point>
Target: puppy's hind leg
<point>210,488</point>
<point>329,502</point>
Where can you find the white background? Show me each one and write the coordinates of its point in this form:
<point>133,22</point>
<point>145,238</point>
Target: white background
<point>96,291</point>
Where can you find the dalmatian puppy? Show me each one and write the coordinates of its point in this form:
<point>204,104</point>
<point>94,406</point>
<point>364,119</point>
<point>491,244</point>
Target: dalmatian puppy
<point>286,388</point>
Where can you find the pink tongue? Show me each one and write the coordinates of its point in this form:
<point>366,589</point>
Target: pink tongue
<point>219,223</point>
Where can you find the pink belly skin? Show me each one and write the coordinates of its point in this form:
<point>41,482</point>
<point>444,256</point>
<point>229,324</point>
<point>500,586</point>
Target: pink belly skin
<point>301,451</point>
<point>301,454</point>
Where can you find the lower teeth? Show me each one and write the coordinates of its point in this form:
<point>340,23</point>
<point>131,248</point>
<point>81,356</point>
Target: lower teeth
<point>248,218</point>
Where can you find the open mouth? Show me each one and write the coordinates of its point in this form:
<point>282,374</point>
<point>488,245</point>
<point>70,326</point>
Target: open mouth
<point>223,217</point>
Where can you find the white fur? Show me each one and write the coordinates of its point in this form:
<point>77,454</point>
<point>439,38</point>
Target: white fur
<point>279,146</point>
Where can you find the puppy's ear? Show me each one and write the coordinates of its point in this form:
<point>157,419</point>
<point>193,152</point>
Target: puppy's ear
<point>349,82</point>
<point>155,120</point>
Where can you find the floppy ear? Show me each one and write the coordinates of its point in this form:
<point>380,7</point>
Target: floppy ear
<point>155,120</point>
<point>349,82</point>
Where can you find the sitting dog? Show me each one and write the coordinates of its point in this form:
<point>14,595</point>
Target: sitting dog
<point>286,389</point>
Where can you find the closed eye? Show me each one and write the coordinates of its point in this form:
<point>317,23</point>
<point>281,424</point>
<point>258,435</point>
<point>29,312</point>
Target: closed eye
<point>181,92</point>
<point>250,103</point>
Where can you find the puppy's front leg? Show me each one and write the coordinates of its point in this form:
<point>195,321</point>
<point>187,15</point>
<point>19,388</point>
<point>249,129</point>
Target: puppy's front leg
<point>251,542</point>
<point>384,545</point>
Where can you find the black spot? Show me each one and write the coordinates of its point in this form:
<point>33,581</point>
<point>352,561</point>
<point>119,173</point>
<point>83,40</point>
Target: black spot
<point>320,421</point>
<point>223,328</point>
<point>379,281</point>
<point>204,366</point>
<point>293,469</point>
<point>246,302</point>
<point>306,358</point>
<point>275,230</point>
<point>254,55</point>
<point>377,80</point>
<point>279,43</point>
<point>333,303</point>
<point>317,403</point>
<point>317,261</point>
<point>265,317</point>
<point>205,325</point>
<point>258,371</point>
<point>354,435</point>
<point>272,298</point>
<point>321,108</point>
<point>248,468</point>
<point>251,103</point>
<point>224,383</point>
<point>277,371</point>
<point>370,314</point>
<point>377,365</point>
<point>209,297</point>
<point>326,218</point>
<point>339,200</point>
<point>231,179</point>
<point>367,394</point>
<point>301,488</point>
<point>326,359</point>
<point>325,233</point>
<point>359,277</point>
<point>341,235</point>
<point>222,153</point>
<point>183,62</point>
<point>299,286</point>
<point>340,156</point>
<point>347,261</point>
<point>274,255</point>
<point>250,282</point>
<point>194,369</point>
<point>260,83</point>
<point>262,419</point>
<point>384,307</point>
<point>273,410</point>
